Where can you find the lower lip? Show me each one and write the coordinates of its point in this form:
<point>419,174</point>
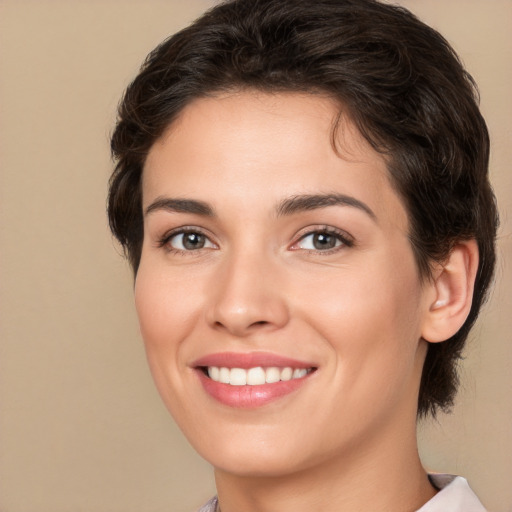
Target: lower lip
<point>249,397</point>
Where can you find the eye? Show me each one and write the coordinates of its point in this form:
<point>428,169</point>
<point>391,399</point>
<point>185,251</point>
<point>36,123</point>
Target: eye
<point>322,240</point>
<point>187,241</point>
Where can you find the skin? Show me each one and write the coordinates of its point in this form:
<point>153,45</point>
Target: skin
<point>346,439</point>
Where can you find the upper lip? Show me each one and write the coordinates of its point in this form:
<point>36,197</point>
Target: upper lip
<point>249,360</point>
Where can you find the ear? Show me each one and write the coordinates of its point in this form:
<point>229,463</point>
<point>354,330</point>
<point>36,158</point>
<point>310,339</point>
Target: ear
<point>451,293</point>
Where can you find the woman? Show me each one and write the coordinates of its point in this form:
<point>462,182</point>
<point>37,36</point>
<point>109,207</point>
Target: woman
<point>302,191</point>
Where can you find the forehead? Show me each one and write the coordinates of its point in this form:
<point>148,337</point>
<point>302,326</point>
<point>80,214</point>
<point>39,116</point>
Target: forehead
<point>280,143</point>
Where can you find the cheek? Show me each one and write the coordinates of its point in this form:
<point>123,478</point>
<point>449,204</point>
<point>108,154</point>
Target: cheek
<point>166,313</point>
<point>166,316</point>
<point>150,303</point>
<point>164,304</point>
<point>371,318</point>
<point>353,302</point>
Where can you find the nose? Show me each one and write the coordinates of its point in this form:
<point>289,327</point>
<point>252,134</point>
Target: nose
<point>249,296</point>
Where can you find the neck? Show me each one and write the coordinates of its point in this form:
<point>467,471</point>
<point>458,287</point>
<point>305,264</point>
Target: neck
<point>383,476</point>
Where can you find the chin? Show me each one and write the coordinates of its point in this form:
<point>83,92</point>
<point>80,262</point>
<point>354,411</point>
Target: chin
<point>256,451</point>
<point>254,464</point>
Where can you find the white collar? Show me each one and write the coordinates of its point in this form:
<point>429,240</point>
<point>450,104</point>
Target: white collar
<point>454,495</point>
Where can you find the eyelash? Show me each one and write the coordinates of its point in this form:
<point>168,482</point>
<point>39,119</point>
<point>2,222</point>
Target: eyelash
<point>340,236</point>
<point>165,240</point>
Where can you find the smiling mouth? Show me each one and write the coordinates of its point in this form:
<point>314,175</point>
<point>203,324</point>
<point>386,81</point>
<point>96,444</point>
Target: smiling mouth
<point>256,376</point>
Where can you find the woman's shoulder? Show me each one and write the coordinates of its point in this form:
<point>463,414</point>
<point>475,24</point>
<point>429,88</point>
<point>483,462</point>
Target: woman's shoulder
<point>454,495</point>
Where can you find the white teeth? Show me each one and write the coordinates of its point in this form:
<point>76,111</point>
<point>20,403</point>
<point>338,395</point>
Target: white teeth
<point>224,375</point>
<point>286,373</point>
<point>237,377</point>
<point>255,376</point>
<point>272,375</point>
<point>299,373</point>
<point>214,373</point>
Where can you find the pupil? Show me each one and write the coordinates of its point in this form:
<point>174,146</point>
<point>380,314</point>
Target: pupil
<point>193,241</point>
<point>323,241</point>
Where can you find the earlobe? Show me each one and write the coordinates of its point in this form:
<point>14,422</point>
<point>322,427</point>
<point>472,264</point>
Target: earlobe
<point>452,293</point>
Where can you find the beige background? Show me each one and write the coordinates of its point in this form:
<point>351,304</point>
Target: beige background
<point>81,427</point>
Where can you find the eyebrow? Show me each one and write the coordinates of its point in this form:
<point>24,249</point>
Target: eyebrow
<point>180,206</point>
<point>289,206</point>
<point>302,203</point>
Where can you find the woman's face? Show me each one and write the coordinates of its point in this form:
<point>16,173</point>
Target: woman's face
<point>271,259</point>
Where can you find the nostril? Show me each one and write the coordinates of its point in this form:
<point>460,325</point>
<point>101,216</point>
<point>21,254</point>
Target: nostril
<point>240,328</point>
<point>261,322</point>
<point>243,319</point>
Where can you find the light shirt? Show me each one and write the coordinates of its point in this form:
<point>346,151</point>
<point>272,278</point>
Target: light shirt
<point>454,495</point>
